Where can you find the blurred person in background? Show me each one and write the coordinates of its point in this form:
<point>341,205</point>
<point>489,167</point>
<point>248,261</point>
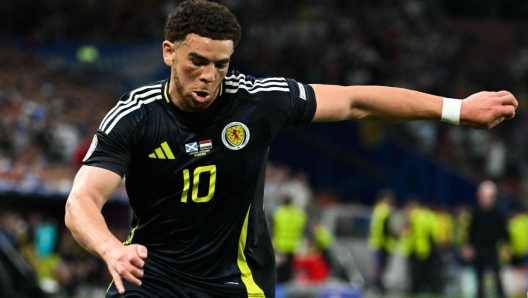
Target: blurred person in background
<point>381,237</point>
<point>240,115</point>
<point>419,247</point>
<point>487,231</point>
<point>299,190</point>
<point>462,265</point>
<point>8,227</point>
<point>443,240</point>
<point>289,224</point>
<point>17,277</point>
<point>42,255</point>
<point>323,240</point>
<point>461,230</point>
<point>276,176</point>
<point>518,231</point>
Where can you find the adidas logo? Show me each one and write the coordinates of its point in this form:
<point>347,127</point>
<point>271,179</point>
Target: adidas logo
<point>162,152</point>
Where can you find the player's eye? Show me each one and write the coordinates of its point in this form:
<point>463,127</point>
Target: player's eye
<point>198,63</point>
<point>221,66</point>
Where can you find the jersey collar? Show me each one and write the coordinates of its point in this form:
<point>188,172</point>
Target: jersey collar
<point>199,118</point>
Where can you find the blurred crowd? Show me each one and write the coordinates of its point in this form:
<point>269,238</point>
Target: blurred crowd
<point>300,240</point>
<point>48,116</point>
<point>61,267</point>
<point>443,246</point>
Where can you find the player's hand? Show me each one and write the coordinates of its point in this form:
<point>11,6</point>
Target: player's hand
<point>126,262</point>
<point>484,110</point>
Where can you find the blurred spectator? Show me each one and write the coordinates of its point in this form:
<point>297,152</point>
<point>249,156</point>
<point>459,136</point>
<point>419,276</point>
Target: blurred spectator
<point>276,176</point>
<point>420,249</point>
<point>518,229</point>
<point>381,238</point>
<point>487,231</point>
<point>323,239</point>
<point>61,265</point>
<point>443,240</point>
<point>461,232</point>
<point>9,222</point>
<point>289,223</point>
<point>299,190</point>
<point>42,256</point>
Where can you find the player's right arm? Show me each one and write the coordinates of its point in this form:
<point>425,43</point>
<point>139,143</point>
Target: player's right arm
<point>481,110</point>
<point>91,189</point>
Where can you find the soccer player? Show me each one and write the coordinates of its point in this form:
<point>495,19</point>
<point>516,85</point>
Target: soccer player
<point>193,149</point>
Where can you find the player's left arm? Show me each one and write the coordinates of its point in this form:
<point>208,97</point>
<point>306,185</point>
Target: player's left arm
<point>481,110</point>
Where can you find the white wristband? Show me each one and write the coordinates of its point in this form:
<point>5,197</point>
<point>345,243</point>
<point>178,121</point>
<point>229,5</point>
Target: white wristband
<point>451,110</point>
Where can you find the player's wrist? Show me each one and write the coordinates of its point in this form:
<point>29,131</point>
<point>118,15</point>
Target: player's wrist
<point>451,109</point>
<point>107,247</point>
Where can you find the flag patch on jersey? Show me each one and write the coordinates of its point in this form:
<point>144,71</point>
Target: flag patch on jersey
<point>162,152</point>
<point>191,147</point>
<point>302,91</point>
<point>205,145</point>
<point>93,145</point>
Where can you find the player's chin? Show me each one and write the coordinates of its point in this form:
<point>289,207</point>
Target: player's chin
<point>198,105</point>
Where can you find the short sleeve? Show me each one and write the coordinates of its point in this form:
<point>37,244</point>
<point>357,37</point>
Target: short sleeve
<point>303,103</point>
<point>297,106</point>
<point>284,102</point>
<point>112,146</point>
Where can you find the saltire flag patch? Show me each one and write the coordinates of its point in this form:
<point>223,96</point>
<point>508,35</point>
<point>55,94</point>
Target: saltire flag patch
<point>191,147</point>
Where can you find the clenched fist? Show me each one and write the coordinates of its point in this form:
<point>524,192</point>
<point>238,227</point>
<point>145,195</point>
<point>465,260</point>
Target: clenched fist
<point>484,110</point>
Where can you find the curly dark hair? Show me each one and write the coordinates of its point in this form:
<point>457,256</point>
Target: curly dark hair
<point>204,18</point>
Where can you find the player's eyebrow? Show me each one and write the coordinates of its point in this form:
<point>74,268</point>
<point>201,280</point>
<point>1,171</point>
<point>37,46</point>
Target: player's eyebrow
<point>200,57</point>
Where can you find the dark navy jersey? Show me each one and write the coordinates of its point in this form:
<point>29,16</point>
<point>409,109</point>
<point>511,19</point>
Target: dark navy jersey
<point>195,180</point>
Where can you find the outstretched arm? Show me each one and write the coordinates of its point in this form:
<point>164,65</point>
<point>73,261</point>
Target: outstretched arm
<point>91,189</point>
<point>481,110</point>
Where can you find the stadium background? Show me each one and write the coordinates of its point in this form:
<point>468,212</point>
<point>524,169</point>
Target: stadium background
<point>64,64</point>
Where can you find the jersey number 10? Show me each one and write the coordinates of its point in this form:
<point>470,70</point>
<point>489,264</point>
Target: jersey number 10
<point>196,182</point>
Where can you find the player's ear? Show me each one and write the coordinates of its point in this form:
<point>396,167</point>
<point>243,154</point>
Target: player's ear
<point>168,52</point>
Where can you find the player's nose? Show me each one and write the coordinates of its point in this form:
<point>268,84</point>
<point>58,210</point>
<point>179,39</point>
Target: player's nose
<point>208,74</point>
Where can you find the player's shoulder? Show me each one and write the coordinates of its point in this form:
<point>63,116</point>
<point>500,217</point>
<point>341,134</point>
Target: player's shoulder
<point>133,107</point>
<point>239,83</point>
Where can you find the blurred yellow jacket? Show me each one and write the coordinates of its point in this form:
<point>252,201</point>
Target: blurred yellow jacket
<point>288,228</point>
<point>462,228</point>
<point>518,229</point>
<point>418,240</point>
<point>443,228</point>
<point>379,236</point>
<point>323,237</point>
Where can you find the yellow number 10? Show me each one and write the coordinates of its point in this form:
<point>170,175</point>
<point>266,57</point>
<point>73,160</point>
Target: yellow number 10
<point>196,181</point>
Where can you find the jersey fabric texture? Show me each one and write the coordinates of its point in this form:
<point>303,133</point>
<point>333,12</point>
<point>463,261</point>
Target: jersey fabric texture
<point>195,180</point>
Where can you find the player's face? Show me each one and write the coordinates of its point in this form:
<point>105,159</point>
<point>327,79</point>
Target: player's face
<point>198,65</point>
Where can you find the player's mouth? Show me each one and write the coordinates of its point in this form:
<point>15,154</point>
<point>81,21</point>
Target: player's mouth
<point>201,95</point>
